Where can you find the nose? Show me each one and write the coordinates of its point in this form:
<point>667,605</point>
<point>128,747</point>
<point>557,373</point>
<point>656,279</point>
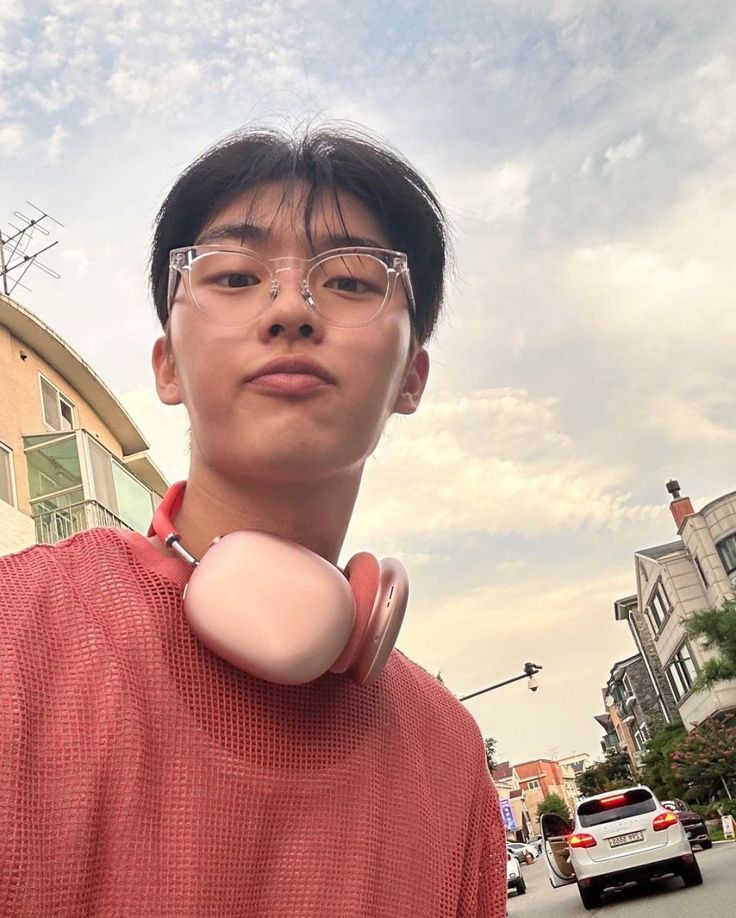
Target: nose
<point>290,314</point>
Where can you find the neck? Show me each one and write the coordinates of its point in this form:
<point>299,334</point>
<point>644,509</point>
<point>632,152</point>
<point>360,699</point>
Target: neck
<point>315,514</point>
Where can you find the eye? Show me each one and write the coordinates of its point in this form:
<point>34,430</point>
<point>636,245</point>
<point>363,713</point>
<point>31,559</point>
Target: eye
<point>348,284</point>
<point>236,281</point>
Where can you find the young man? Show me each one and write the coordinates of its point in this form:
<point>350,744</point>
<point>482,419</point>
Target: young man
<point>142,773</point>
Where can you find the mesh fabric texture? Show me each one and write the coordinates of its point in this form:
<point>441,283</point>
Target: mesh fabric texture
<point>140,775</point>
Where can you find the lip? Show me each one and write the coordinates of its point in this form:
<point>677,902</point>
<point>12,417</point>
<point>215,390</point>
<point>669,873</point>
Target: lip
<point>291,375</point>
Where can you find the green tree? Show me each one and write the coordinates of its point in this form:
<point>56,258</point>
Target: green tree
<point>611,773</point>
<point>553,803</point>
<point>705,761</point>
<point>491,753</point>
<point>657,771</point>
<point>715,628</point>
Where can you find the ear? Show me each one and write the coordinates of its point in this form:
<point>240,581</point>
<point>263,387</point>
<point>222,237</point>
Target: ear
<point>412,387</point>
<point>164,369</point>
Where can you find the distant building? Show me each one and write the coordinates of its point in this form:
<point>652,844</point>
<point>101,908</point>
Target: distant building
<point>572,766</point>
<point>672,581</point>
<point>509,788</point>
<point>70,455</point>
<point>538,779</point>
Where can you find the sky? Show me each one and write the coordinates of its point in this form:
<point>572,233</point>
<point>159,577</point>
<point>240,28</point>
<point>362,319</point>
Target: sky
<point>584,153</point>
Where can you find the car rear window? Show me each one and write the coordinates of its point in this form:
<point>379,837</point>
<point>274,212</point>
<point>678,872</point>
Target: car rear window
<point>615,806</point>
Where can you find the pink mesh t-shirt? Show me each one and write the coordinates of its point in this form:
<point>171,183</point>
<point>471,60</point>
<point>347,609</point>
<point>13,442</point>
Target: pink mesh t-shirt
<point>142,776</point>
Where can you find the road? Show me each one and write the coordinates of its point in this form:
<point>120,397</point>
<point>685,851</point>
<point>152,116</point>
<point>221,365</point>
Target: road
<point>661,899</point>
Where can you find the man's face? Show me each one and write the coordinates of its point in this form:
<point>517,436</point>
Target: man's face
<point>249,426</point>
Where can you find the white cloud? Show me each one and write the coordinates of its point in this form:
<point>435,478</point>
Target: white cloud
<point>496,196</point>
<point>686,421</point>
<point>12,136</point>
<point>55,144</point>
<point>491,462</point>
<point>626,150</point>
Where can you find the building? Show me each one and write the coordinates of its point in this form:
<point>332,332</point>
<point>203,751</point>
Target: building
<point>538,779</point>
<point>632,706</point>
<point>572,766</point>
<point>509,788</point>
<point>70,455</point>
<point>677,578</point>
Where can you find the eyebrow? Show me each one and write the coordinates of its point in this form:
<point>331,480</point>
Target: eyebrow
<point>249,232</point>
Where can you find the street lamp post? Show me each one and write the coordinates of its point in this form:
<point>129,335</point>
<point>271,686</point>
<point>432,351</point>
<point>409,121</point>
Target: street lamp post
<point>530,669</point>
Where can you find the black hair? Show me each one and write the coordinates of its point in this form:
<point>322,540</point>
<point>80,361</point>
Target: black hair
<point>329,160</point>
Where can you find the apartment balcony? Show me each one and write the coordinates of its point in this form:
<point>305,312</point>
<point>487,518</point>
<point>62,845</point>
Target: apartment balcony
<point>75,484</point>
<point>55,525</point>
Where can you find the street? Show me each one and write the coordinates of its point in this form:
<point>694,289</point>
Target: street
<point>663,899</point>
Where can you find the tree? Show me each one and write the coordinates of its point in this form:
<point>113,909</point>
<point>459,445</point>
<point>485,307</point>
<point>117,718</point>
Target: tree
<point>657,771</point>
<point>553,803</point>
<point>705,761</point>
<point>716,630</point>
<point>490,754</point>
<point>613,772</point>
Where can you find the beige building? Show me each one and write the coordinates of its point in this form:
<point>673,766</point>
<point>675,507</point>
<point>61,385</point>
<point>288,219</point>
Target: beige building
<point>70,455</point>
<point>572,766</point>
<point>696,570</point>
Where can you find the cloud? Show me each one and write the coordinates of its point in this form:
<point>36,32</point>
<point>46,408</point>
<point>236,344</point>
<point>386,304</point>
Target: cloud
<point>686,421</point>
<point>493,463</point>
<point>626,150</point>
<point>497,196</point>
<point>55,144</point>
<point>12,136</point>
<point>483,635</point>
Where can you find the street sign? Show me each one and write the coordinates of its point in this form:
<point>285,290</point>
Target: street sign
<point>727,823</point>
<point>507,813</point>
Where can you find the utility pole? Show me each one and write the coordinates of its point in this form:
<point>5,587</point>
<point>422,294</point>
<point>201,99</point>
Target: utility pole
<point>16,255</point>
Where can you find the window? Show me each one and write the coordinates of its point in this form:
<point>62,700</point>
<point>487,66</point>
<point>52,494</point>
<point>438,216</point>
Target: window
<point>682,672</point>
<point>632,802</point>
<point>58,411</point>
<point>7,489</point>
<point>532,785</point>
<point>727,551</point>
<point>659,606</point>
<point>699,566</point>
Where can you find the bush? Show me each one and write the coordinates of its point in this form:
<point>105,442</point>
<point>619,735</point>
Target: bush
<point>726,808</point>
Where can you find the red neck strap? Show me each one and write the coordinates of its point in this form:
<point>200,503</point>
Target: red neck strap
<point>161,525</point>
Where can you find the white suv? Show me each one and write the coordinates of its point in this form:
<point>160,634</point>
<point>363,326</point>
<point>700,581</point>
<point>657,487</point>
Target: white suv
<point>617,837</point>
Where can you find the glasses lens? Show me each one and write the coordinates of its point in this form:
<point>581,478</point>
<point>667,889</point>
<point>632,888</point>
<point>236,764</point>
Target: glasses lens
<point>230,288</point>
<point>349,289</point>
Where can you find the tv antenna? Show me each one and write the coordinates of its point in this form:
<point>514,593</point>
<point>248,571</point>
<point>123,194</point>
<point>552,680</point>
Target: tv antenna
<point>17,253</point>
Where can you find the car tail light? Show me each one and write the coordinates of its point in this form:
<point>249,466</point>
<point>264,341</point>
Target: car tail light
<point>616,800</point>
<point>581,840</point>
<point>665,820</point>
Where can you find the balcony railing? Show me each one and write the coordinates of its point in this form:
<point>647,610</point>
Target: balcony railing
<point>55,525</point>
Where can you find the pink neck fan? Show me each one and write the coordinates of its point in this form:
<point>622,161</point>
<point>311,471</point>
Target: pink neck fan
<point>282,613</point>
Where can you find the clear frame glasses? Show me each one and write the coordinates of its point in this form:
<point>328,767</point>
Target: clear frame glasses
<point>232,286</point>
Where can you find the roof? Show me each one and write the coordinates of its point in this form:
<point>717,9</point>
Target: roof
<point>502,771</point>
<point>605,721</point>
<point>29,329</point>
<point>660,551</point>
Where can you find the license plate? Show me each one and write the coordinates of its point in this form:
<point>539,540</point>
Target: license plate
<point>619,840</point>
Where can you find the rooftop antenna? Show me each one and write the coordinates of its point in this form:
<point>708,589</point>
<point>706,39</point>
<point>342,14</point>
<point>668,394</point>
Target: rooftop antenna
<point>16,248</point>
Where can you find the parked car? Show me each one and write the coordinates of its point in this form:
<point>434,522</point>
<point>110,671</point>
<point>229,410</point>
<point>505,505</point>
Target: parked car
<point>526,853</point>
<point>615,838</point>
<point>693,824</point>
<point>514,879</point>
